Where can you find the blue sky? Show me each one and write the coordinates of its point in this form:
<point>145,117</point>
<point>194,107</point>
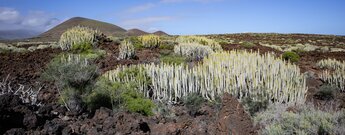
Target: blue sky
<point>183,16</point>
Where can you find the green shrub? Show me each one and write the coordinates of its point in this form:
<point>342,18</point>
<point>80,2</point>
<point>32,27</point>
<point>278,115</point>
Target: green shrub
<point>291,56</point>
<point>193,102</point>
<point>81,47</point>
<point>101,95</point>
<point>172,59</point>
<point>135,102</point>
<point>166,46</point>
<point>74,75</point>
<point>122,95</point>
<point>254,106</point>
<point>326,92</point>
<point>247,44</point>
<point>304,119</point>
<point>136,42</point>
<point>93,54</point>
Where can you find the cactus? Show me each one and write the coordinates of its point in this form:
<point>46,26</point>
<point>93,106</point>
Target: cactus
<point>240,73</point>
<point>192,50</point>
<point>200,40</point>
<point>150,41</point>
<point>78,38</point>
<point>127,50</point>
<point>334,73</point>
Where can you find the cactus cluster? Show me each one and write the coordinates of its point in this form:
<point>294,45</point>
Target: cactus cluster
<point>76,36</point>
<point>192,50</point>
<point>127,50</point>
<point>240,73</point>
<point>150,41</point>
<point>200,40</point>
<point>330,64</point>
<point>334,73</point>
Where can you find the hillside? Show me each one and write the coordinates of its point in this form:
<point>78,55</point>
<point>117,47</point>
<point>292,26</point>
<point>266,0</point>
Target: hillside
<point>106,28</point>
<point>160,33</point>
<point>136,32</point>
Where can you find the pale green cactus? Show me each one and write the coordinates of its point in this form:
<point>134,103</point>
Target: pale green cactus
<point>150,41</point>
<point>78,36</point>
<point>240,73</point>
<point>200,40</point>
<point>334,73</point>
<point>192,50</point>
<point>127,50</point>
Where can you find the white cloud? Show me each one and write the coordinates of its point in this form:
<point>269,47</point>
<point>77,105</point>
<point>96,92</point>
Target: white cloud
<point>141,8</point>
<point>8,15</point>
<point>37,20</point>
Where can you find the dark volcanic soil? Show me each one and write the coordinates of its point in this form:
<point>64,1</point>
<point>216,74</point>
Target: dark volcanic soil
<point>25,68</point>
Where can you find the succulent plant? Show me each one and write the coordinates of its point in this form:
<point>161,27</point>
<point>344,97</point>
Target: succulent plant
<point>78,35</point>
<point>127,50</point>
<point>200,40</point>
<point>150,41</point>
<point>193,50</point>
<point>240,73</point>
<point>334,73</point>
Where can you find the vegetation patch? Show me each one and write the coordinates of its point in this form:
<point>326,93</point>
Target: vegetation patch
<point>291,56</point>
<point>78,39</point>
<point>150,41</point>
<point>192,51</point>
<point>127,50</point>
<point>247,44</point>
<point>74,76</point>
<point>172,59</point>
<point>305,119</point>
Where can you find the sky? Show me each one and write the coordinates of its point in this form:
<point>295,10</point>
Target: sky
<point>183,17</point>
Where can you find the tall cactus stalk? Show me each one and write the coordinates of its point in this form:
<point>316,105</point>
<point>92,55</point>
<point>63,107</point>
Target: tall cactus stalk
<point>240,73</point>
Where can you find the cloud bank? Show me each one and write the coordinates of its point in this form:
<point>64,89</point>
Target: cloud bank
<point>12,19</point>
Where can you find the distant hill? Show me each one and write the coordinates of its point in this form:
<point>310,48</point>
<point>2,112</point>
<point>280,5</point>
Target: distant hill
<point>136,32</point>
<point>17,34</point>
<point>106,28</point>
<point>160,33</point>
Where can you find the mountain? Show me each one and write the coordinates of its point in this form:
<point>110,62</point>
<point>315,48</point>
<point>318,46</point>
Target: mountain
<point>17,34</point>
<point>107,28</point>
<point>136,32</point>
<point>160,33</point>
